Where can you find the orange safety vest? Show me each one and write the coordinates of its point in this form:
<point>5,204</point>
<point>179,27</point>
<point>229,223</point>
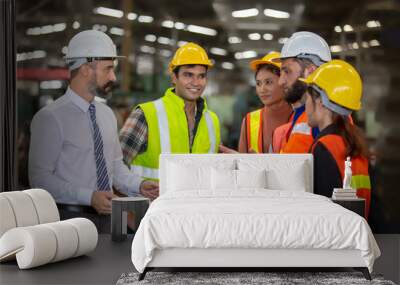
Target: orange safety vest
<point>359,165</point>
<point>280,134</point>
<point>299,138</point>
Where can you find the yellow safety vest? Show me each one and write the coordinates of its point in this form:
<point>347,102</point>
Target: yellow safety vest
<point>254,131</point>
<point>168,132</point>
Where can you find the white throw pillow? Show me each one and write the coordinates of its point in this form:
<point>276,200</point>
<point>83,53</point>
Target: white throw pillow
<point>251,178</point>
<point>282,174</point>
<point>183,177</point>
<point>223,179</point>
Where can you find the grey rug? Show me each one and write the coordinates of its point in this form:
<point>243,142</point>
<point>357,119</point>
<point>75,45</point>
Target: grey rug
<point>229,278</point>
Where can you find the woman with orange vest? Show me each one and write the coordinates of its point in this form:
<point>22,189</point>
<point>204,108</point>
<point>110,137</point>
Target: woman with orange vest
<point>334,91</point>
<point>259,125</point>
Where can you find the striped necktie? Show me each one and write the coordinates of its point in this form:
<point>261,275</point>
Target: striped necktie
<point>103,182</point>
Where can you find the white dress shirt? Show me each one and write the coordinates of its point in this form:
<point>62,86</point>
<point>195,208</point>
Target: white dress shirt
<point>61,154</point>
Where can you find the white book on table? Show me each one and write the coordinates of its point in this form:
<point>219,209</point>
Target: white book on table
<point>341,190</point>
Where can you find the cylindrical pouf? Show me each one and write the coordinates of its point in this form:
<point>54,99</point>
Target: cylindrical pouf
<point>67,239</point>
<point>7,218</point>
<point>23,208</point>
<point>87,235</point>
<point>34,246</point>
<point>45,205</point>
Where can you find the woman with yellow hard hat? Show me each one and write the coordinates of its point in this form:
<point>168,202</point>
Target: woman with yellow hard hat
<point>258,126</point>
<point>334,91</point>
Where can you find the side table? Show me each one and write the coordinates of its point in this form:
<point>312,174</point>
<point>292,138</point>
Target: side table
<point>120,207</point>
<point>357,205</point>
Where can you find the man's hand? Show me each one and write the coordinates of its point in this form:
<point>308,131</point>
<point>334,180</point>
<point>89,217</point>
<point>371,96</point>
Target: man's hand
<point>101,201</point>
<point>225,149</point>
<point>149,189</point>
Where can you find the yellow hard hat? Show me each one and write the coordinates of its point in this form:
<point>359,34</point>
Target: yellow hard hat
<point>189,53</point>
<point>267,59</point>
<point>340,81</point>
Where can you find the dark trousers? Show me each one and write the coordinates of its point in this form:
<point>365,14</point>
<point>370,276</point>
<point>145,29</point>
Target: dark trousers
<point>102,222</point>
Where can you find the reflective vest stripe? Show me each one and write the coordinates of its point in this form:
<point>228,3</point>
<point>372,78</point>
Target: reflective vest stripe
<point>361,181</point>
<point>299,139</point>
<point>211,132</point>
<point>145,172</point>
<point>301,128</point>
<point>163,126</point>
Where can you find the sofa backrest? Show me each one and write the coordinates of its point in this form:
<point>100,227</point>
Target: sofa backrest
<point>26,208</point>
<point>284,167</point>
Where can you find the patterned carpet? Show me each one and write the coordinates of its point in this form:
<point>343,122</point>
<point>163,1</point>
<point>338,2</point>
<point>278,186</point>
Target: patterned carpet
<point>231,278</point>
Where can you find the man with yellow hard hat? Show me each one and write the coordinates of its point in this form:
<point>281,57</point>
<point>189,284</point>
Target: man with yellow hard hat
<point>178,122</point>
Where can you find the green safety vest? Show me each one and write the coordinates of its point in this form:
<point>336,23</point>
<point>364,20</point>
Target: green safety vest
<point>168,132</point>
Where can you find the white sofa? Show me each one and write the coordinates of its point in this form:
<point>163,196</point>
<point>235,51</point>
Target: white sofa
<point>31,231</point>
<point>247,210</point>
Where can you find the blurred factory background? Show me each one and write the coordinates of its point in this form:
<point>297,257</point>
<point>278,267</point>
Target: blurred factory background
<point>147,32</point>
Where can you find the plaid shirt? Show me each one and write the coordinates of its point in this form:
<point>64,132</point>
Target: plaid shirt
<point>134,134</point>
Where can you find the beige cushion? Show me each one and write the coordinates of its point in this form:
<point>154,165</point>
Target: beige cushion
<point>40,244</point>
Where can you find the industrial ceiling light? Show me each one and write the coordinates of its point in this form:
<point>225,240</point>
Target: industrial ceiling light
<point>268,36</point>
<point>276,14</point>
<point>373,24</point>
<point>218,51</point>
<point>48,29</point>
<point>245,54</point>
<point>338,29</point>
<point>282,40</point>
<point>336,48</point>
<point>167,24</point>
<point>374,43</point>
<point>131,16</point>
<point>201,30</point>
<point>165,41</point>
<point>76,25</point>
<point>365,44</point>
<point>117,31</point>
<point>165,53</point>
<point>150,38</point>
<point>254,36</point>
<point>145,19</point>
<point>147,49</point>
<point>234,40</point>
<point>179,25</point>
<point>227,65</point>
<point>348,28</point>
<point>245,13</point>
<point>108,12</point>
<point>31,55</point>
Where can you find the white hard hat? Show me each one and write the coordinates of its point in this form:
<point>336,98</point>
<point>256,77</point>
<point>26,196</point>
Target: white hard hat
<point>306,45</point>
<point>90,44</point>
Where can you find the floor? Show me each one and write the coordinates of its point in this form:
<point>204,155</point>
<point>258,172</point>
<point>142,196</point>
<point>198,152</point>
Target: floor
<point>389,262</point>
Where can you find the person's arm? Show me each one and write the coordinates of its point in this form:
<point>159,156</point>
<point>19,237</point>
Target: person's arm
<point>45,148</point>
<point>326,172</point>
<point>133,135</point>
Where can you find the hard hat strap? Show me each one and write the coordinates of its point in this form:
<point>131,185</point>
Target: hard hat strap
<point>311,57</point>
<point>74,63</point>
<point>329,104</point>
